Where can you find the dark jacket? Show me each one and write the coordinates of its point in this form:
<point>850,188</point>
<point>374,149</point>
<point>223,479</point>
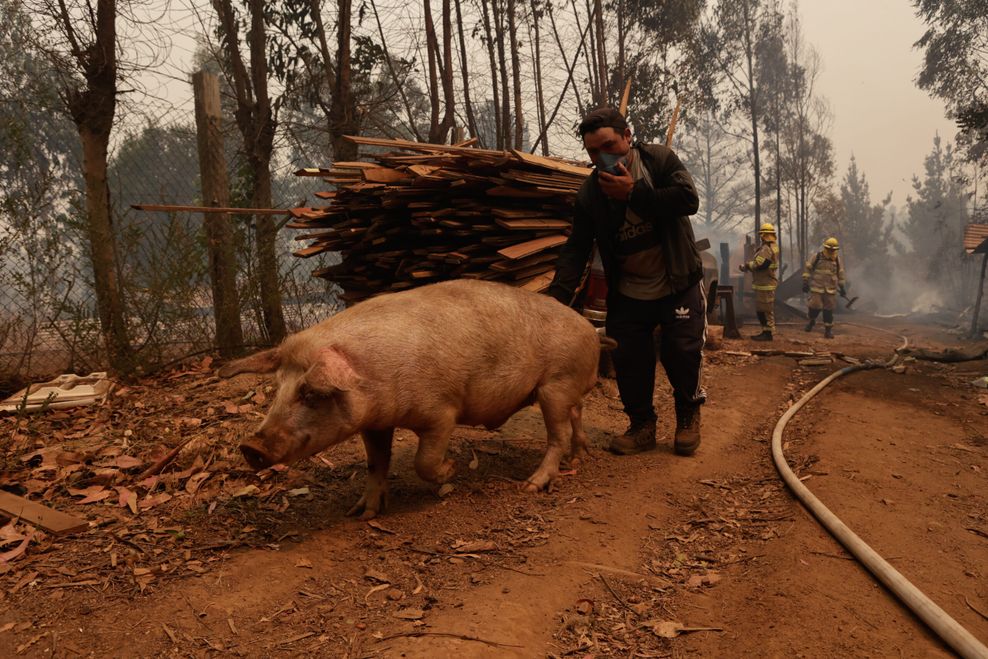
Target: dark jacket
<point>668,205</point>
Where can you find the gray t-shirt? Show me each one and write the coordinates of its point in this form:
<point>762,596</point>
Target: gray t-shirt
<point>639,252</point>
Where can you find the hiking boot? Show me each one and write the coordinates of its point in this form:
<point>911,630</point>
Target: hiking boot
<point>828,332</point>
<point>764,336</point>
<point>809,326</point>
<point>687,428</point>
<point>639,437</point>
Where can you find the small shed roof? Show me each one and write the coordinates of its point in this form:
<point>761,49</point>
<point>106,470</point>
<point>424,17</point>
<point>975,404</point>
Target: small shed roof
<point>976,239</point>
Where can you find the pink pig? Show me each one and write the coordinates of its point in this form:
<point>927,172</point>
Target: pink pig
<point>459,352</point>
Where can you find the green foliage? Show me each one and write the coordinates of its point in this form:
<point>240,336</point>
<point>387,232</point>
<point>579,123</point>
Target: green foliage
<point>938,213</point>
<point>955,65</point>
<point>863,227</point>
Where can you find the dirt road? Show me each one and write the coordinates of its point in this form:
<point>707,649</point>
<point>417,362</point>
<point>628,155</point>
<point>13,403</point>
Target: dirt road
<point>591,569</point>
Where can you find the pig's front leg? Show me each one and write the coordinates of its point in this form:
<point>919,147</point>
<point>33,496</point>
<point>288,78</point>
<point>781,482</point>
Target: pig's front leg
<point>431,463</point>
<point>375,498</point>
<point>559,430</point>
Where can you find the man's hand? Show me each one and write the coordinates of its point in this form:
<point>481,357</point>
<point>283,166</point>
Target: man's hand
<point>742,268</point>
<point>616,186</point>
<point>806,287</point>
<point>843,291</point>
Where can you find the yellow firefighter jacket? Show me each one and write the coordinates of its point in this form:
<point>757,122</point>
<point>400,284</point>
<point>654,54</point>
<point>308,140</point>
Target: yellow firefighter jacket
<point>765,267</point>
<point>824,274</point>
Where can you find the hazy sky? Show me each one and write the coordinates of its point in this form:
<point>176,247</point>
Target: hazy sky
<point>869,71</point>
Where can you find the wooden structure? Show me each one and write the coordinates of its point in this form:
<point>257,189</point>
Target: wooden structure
<point>416,213</point>
<point>976,242</point>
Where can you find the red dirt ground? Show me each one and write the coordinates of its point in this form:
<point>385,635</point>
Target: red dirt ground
<point>237,564</point>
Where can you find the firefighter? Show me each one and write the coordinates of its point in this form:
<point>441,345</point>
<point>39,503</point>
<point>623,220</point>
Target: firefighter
<point>764,269</point>
<point>823,278</point>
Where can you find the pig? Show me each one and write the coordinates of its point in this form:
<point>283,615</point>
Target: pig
<point>465,352</point>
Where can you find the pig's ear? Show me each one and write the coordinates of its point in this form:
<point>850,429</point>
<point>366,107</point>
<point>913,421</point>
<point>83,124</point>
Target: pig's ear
<point>330,371</point>
<point>260,362</point>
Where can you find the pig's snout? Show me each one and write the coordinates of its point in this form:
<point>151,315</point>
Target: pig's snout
<point>255,455</point>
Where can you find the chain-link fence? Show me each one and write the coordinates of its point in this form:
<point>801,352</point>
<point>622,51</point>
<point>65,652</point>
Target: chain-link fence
<point>48,319</point>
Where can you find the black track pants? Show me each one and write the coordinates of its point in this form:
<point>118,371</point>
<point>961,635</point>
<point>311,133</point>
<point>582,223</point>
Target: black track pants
<point>632,324</point>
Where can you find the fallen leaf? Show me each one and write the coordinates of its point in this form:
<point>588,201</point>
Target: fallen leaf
<point>128,499</point>
<point>299,491</point>
<point>376,589</point>
<point>17,551</point>
<point>474,546</point>
<point>303,562</point>
<point>475,462</point>
<point>7,627</point>
<point>376,575</point>
<point>247,491</point>
<point>672,629</point>
<point>91,494</point>
<point>9,534</point>
<point>127,462</point>
<point>445,489</point>
<point>195,481</point>
<point>377,526</point>
<point>151,501</point>
<point>410,614</point>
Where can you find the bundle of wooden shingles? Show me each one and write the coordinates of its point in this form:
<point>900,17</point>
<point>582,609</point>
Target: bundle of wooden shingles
<point>417,213</point>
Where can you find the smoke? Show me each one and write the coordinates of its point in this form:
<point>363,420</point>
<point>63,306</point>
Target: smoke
<point>906,286</point>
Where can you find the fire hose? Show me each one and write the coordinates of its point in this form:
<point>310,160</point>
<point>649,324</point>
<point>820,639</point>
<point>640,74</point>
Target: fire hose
<point>948,629</point>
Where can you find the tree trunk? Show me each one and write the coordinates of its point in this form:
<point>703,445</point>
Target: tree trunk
<point>622,74</point>
<point>589,56</point>
<point>260,144</point>
<point>498,15</point>
<point>447,74</point>
<point>471,119</point>
<point>431,46</point>
<point>601,53</point>
<point>92,108</point>
<point>343,118</point>
<point>102,244</point>
<point>515,72</point>
<point>753,103</point>
<point>498,137</point>
<point>539,90</point>
<point>217,227</point>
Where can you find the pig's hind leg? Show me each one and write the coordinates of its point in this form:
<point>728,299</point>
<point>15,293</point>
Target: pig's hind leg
<point>579,446</point>
<point>375,498</point>
<point>556,412</point>
<point>431,463</point>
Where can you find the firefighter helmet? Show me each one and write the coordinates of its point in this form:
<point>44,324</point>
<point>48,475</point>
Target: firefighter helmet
<point>767,228</point>
<point>831,243</point>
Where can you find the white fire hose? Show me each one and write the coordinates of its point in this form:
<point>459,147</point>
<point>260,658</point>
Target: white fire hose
<point>948,629</point>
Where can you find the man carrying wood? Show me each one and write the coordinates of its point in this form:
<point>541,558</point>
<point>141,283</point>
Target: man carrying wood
<point>823,278</point>
<point>635,207</point>
<point>764,269</point>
